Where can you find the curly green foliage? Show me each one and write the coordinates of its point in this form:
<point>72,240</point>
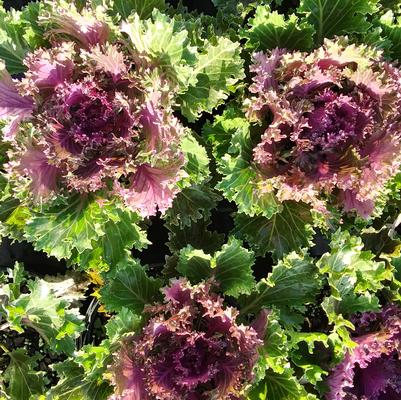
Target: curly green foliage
<point>338,17</point>
<point>231,267</point>
<point>268,29</point>
<point>294,282</point>
<point>41,309</point>
<point>85,229</point>
<point>19,33</point>
<point>289,230</point>
<point>144,8</point>
<point>129,286</point>
<point>218,69</point>
<point>391,31</point>
<point>353,275</point>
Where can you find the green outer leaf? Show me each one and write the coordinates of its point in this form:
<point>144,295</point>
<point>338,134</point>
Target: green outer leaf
<point>74,384</point>
<point>121,234</point>
<point>66,226</point>
<point>231,267</point>
<point>196,234</point>
<point>284,232</point>
<point>86,231</point>
<point>268,30</point>
<point>12,45</point>
<point>19,33</point>
<point>48,315</point>
<point>294,282</point>
<point>231,6</point>
<point>218,68</point>
<point>130,287</point>
<point>21,376</point>
<point>240,182</point>
<point>192,204</point>
<point>353,275</point>
<point>194,264</point>
<point>351,303</point>
<point>125,322</point>
<point>283,386</point>
<point>392,32</point>
<point>337,17</point>
<point>274,352</point>
<point>162,42</point>
<point>18,276</point>
<point>350,269</point>
<point>306,354</point>
<point>197,160</point>
<point>143,8</point>
<point>7,206</point>
<point>220,132</point>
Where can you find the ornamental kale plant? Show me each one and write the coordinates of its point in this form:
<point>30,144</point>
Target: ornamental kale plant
<point>200,200</point>
<point>330,129</point>
<point>92,123</point>
<point>191,348</point>
<point>334,124</point>
<point>99,129</point>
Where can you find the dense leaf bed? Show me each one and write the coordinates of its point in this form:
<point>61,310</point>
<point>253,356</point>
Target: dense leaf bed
<point>200,201</point>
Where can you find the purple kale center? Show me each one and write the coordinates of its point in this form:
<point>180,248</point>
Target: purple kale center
<point>91,118</point>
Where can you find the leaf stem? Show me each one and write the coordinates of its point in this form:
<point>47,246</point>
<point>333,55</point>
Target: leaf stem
<point>4,348</point>
<point>4,326</point>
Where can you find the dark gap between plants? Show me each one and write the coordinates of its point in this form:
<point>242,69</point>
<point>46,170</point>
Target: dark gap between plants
<point>36,262</point>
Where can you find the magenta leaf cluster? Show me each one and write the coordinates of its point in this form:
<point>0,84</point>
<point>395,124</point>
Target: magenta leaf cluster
<point>333,124</point>
<point>192,348</point>
<point>372,370</point>
<point>97,126</point>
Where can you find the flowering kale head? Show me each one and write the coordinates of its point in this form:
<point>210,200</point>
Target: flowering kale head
<point>191,349</point>
<point>371,371</point>
<point>334,124</point>
<point>98,126</point>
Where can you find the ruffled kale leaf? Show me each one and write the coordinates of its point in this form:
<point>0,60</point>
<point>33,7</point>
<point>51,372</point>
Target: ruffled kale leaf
<point>269,29</point>
<point>293,283</point>
<point>332,18</point>
<point>84,376</point>
<point>218,69</point>
<point>76,384</point>
<point>198,234</point>
<point>19,33</point>
<point>129,286</point>
<point>353,275</point>
<point>239,182</point>
<point>231,267</point>
<point>121,234</point>
<point>274,378</point>
<point>164,43</point>
<point>191,204</point>
<point>283,386</point>
<point>42,309</point>
<point>23,380</point>
<point>289,230</point>
<point>74,227</point>
<point>144,8</point>
<point>197,160</point>
<point>391,30</point>
<point>123,323</point>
